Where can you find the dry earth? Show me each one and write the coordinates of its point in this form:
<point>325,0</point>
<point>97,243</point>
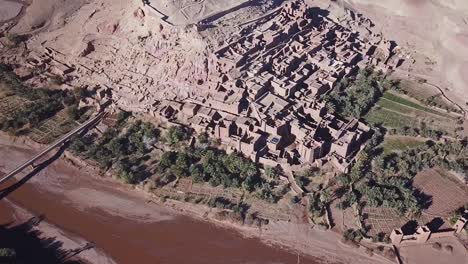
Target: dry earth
<point>428,255</point>
<point>132,49</point>
<point>434,33</point>
<point>9,10</point>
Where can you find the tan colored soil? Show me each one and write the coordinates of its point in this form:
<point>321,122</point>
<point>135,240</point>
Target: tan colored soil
<point>9,10</point>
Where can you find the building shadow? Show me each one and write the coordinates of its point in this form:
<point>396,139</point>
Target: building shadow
<point>410,227</point>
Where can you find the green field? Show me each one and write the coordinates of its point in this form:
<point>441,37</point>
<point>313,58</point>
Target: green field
<point>389,118</point>
<point>390,97</point>
<point>400,143</point>
<point>393,111</point>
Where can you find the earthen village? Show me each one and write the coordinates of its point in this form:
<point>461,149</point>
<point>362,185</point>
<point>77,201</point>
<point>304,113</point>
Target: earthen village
<point>240,114</point>
<point>263,99</point>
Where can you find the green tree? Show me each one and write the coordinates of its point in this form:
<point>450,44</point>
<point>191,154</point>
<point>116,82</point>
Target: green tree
<point>175,134</point>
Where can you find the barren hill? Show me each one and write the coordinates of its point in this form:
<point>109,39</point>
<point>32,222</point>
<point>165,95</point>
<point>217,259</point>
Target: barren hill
<point>435,34</point>
<point>141,51</point>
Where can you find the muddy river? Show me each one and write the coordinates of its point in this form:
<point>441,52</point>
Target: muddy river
<point>179,240</point>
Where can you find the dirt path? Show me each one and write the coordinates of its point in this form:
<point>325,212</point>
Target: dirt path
<point>294,186</point>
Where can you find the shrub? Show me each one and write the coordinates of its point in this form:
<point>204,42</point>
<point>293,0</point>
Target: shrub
<point>7,253</point>
<point>295,199</point>
<point>370,252</point>
<point>176,134</point>
<point>73,112</point>
<point>437,246</point>
<point>353,235</point>
<point>449,248</point>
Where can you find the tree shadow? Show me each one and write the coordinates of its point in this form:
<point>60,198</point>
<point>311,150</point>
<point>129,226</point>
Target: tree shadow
<point>30,245</point>
<point>424,200</point>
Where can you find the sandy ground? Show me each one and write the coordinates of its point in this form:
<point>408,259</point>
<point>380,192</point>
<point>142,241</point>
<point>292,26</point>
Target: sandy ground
<point>46,14</point>
<point>183,12</point>
<point>428,255</point>
<point>9,10</point>
<point>121,200</point>
<point>434,33</point>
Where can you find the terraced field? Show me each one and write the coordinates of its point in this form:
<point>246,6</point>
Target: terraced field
<point>52,128</point>
<point>11,105</point>
<point>394,111</point>
<point>400,143</point>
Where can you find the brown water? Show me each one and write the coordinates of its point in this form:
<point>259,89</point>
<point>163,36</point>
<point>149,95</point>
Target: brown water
<point>180,240</point>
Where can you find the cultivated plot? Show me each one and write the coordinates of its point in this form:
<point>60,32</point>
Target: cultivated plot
<point>447,194</point>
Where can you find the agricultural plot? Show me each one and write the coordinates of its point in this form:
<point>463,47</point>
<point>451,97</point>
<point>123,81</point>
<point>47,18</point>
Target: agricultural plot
<point>52,128</point>
<point>446,193</point>
<point>280,211</point>
<point>186,185</point>
<point>11,105</point>
<point>417,90</point>
<point>382,220</point>
<point>400,143</point>
<point>389,118</point>
<point>426,93</point>
<point>396,112</point>
<point>390,97</point>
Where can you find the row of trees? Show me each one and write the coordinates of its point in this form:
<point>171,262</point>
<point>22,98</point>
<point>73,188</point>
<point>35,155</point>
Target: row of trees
<point>367,180</point>
<point>213,166</point>
<point>386,180</point>
<point>451,155</point>
<point>423,131</point>
<point>205,164</point>
<point>122,148</point>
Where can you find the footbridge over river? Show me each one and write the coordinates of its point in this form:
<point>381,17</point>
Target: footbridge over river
<point>91,122</point>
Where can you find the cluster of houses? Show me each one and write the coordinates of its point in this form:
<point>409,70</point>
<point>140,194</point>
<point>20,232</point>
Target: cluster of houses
<point>264,99</point>
<point>43,63</point>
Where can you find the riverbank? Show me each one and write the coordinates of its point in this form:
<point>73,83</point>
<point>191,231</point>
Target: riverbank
<point>70,245</point>
<point>126,226</point>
